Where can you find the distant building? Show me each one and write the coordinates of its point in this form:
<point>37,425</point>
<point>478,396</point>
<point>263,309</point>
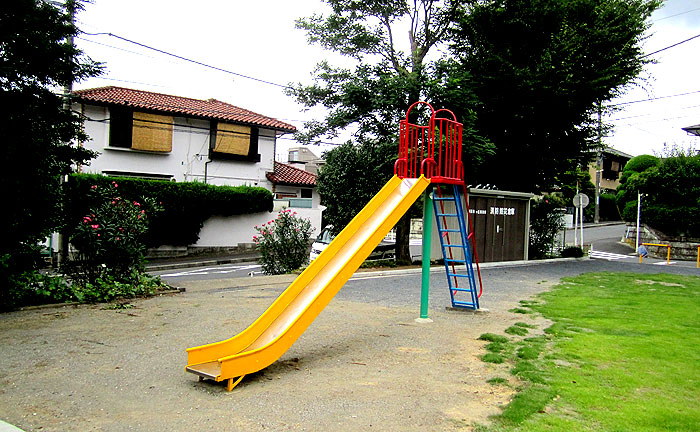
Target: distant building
<point>614,162</point>
<point>305,159</point>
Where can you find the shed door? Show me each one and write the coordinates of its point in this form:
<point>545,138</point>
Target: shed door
<point>499,227</point>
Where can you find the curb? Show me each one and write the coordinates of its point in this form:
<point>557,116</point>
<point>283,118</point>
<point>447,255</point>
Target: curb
<point>210,262</point>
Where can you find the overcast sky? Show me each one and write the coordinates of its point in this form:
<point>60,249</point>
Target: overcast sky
<point>258,39</point>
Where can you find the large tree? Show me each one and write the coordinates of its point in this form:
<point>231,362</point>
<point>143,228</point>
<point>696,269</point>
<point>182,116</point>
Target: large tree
<point>36,61</point>
<point>540,69</point>
<point>372,95</point>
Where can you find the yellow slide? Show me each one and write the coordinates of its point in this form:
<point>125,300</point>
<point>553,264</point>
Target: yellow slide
<point>287,318</point>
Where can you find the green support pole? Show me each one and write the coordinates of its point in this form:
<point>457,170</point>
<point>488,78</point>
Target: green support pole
<point>427,237</point>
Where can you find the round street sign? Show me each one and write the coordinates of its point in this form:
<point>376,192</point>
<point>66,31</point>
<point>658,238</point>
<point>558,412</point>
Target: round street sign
<point>581,200</point>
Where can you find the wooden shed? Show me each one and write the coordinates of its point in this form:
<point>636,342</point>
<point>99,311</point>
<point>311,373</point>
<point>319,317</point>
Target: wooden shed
<point>501,223</point>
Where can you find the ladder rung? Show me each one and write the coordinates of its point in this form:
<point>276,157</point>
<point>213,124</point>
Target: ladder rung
<point>448,214</point>
<point>467,304</point>
<point>456,275</point>
<point>462,290</point>
<point>448,230</point>
<point>449,198</point>
<point>451,245</point>
<point>455,260</point>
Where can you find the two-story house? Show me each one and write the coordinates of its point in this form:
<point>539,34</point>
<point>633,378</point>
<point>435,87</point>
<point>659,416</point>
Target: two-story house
<point>151,135</point>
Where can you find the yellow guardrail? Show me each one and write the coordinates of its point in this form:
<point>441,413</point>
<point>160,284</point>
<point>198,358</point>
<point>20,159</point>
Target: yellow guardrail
<point>668,253</point>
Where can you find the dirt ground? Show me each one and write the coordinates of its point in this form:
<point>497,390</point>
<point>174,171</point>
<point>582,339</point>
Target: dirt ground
<point>360,366</point>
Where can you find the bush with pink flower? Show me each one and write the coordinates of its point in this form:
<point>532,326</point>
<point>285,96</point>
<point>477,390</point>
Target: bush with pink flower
<point>283,242</point>
<point>108,241</point>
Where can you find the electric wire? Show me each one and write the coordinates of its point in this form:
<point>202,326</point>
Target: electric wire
<point>671,46</point>
<point>186,59</point>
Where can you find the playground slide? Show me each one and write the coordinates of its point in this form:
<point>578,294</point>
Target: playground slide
<point>271,335</point>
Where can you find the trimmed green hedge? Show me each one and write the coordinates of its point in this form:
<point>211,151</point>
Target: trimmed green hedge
<point>186,206</point>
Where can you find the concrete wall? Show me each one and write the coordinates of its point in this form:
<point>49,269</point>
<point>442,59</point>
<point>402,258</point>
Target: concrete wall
<point>681,248</point>
<point>220,231</point>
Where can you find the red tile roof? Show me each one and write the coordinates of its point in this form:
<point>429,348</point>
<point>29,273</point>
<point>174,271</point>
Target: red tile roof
<point>210,109</point>
<point>289,175</point>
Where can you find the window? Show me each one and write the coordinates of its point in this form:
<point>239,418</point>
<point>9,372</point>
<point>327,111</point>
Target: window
<point>120,127</point>
<point>140,131</point>
<point>235,142</point>
<point>306,193</point>
<point>152,132</point>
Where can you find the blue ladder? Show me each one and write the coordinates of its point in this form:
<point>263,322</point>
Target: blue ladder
<point>463,295</point>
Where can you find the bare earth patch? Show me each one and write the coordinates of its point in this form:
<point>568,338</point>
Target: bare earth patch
<point>360,366</point>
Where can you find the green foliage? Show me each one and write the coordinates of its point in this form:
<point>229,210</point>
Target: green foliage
<point>283,243</point>
<point>186,206</point>
<point>492,358</point>
<point>671,189</point>
<point>107,288</point>
<point>351,176</point>
<point>545,225</point>
<point>110,238</point>
<point>372,95</point>
<point>572,252</point>
<point>608,208</point>
<point>31,288</point>
<point>641,163</point>
<point>492,337</point>
<point>36,129</point>
<point>516,330</point>
<point>539,70</point>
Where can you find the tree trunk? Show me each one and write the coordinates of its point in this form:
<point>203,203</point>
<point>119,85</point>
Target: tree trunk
<point>403,229</point>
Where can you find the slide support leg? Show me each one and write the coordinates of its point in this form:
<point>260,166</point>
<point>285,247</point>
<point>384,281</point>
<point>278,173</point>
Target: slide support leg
<point>230,385</point>
<point>425,257</point>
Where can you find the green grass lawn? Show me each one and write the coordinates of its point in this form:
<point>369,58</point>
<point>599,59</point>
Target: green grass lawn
<point>623,354</point>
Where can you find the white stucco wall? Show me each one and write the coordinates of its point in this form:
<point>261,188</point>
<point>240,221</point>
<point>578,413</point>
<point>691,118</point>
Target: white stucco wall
<point>186,161</point>
<point>220,231</point>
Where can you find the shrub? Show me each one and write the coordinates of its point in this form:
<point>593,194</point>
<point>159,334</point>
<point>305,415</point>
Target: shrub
<point>671,191</point>
<point>32,287</point>
<point>572,252</point>
<point>283,243</point>
<point>545,225</point>
<point>110,240</point>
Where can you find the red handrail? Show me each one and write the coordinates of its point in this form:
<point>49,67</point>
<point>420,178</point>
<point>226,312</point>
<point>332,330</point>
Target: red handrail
<point>434,150</point>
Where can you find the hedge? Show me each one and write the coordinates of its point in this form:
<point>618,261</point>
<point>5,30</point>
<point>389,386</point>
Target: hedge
<point>186,206</point>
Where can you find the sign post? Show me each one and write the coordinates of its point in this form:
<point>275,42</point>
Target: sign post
<point>580,202</point>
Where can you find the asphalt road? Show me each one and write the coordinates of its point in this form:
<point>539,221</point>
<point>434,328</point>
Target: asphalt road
<point>602,238</point>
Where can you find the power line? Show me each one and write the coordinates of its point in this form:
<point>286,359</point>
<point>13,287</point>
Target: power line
<point>652,114</point>
<point>186,59</point>
<point>672,16</point>
<point>654,98</point>
<point>671,46</point>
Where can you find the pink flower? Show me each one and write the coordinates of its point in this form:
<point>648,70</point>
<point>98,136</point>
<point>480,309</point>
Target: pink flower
<point>114,202</point>
<point>118,239</point>
<point>87,219</point>
<point>93,187</point>
<point>121,229</point>
<point>98,235</point>
<point>137,204</point>
<point>94,226</point>
<point>115,184</point>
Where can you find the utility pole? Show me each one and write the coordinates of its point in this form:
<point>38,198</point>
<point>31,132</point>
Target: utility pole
<point>598,166</point>
<point>67,92</point>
